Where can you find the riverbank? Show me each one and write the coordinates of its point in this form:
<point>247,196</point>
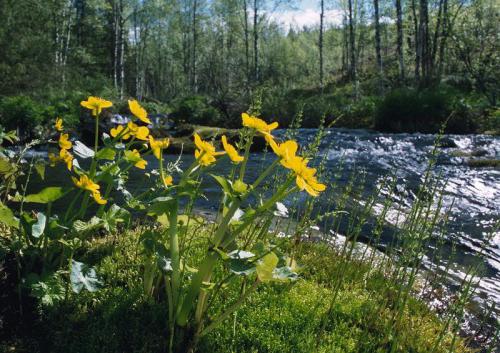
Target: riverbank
<point>317,312</point>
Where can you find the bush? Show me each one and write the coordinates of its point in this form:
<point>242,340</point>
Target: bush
<point>21,112</point>
<point>196,110</point>
<point>412,110</point>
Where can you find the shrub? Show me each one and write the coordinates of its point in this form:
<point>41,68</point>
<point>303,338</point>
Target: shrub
<point>413,110</point>
<point>196,110</point>
<point>21,112</point>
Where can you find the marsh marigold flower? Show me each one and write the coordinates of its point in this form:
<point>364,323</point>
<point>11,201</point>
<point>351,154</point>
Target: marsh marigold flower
<point>205,152</point>
<point>139,132</point>
<point>138,111</point>
<point>121,131</point>
<point>305,176</point>
<point>96,105</point>
<point>67,158</point>
<point>158,145</point>
<point>231,151</point>
<point>258,124</point>
<point>168,180</point>
<point>59,124</point>
<point>64,142</point>
<point>85,183</point>
<point>98,198</point>
<point>286,151</point>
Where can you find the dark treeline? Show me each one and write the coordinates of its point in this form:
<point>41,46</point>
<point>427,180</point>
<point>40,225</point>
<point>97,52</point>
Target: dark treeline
<point>396,65</point>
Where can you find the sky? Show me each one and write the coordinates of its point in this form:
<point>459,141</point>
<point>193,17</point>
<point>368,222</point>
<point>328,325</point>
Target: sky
<point>306,13</point>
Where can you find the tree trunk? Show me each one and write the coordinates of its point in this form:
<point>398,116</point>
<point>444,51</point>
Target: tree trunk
<point>377,40</point>
<point>320,42</point>
<point>352,44</point>
<point>121,62</point>
<point>194,83</point>
<point>418,52</point>
<point>444,37</point>
<point>247,42</point>
<point>425,52</point>
<point>399,49</point>
<point>255,41</point>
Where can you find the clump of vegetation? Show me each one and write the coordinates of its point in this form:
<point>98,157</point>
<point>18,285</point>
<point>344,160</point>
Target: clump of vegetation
<point>195,284</point>
<point>412,110</point>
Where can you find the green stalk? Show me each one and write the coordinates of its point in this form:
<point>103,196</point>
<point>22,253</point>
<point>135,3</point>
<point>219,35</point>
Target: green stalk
<point>96,139</point>
<point>247,153</point>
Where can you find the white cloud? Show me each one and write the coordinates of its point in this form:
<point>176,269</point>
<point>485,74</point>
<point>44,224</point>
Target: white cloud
<point>305,17</point>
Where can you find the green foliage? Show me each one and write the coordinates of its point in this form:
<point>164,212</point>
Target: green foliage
<point>196,110</point>
<point>21,112</point>
<point>426,111</point>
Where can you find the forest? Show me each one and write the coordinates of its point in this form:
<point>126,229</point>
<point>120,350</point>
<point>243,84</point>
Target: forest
<point>390,65</point>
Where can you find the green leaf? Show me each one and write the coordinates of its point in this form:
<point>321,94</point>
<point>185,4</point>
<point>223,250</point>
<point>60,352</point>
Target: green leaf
<point>161,205</point>
<point>7,216</point>
<point>241,254</point>
<point>115,215</point>
<point>38,228</point>
<point>5,165</point>
<point>241,267</point>
<point>82,227</point>
<point>223,182</point>
<point>266,266</point>
<point>106,153</point>
<point>83,276</point>
<point>40,169</point>
<point>284,273</point>
<point>49,291</point>
<point>49,194</point>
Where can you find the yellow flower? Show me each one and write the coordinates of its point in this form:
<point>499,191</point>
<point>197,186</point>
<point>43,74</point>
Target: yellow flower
<point>138,111</point>
<point>205,152</point>
<point>96,105</point>
<point>119,130</point>
<point>158,145</point>
<point>205,159</point>
<point>98,199</point>
<point>67,157</point>
<point>135,157</point>
<point>305,176</point>
<point>258,124</point>
<point>86,183</point>
<point>64,142</point>
<point>231,151</point>
<point>59,124</point>
<point>140,132</point>
<point>168,180</point>
<point>286,151</point>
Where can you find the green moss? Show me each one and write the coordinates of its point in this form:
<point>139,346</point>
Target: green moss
<point>293,317</point>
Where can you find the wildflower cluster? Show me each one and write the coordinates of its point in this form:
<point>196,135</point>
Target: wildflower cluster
<point>287,152</point>
<point>127,146</point>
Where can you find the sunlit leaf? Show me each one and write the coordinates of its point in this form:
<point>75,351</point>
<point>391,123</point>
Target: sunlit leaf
<point>38,228</point>
<point>49,194</point>
<point>40,169</point>
<point>83,276</point>
<point>7,216</point>
<point>106,153</point>
<point>266,266</point>
<point>82,151</point>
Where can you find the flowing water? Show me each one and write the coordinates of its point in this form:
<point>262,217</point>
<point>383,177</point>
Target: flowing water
<point>472,195</point>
